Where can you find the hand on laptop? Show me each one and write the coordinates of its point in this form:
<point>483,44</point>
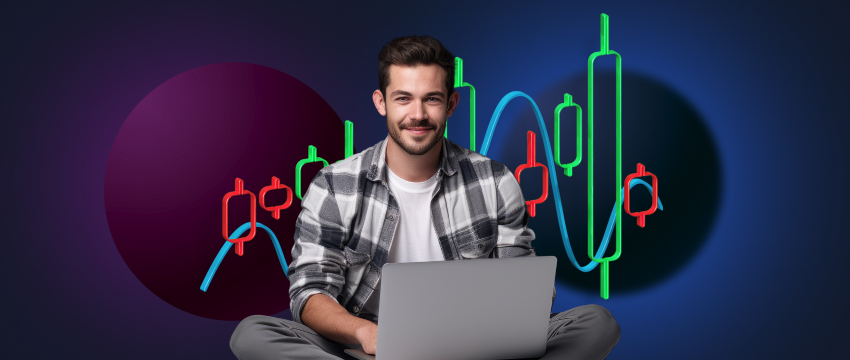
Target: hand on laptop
<point>326,317</point>
<point>368,338</point>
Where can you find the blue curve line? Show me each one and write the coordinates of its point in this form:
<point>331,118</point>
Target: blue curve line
<point>554,180</point>
<point>226,247</point>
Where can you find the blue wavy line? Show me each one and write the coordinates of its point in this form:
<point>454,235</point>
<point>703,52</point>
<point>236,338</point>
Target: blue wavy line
<point>554,180</point>
<point>226,247</point>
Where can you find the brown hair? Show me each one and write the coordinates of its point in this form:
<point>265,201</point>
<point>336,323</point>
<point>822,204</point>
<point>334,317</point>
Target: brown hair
<point>414,50</point>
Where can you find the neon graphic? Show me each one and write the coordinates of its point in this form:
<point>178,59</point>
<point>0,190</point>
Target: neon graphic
<point>553,179</point>
<point>604,50</point>
<point>622,194</point>
<point>458,84</point>
<point>349,140</point>
<point>531,161</point>
<point>641,215</point>
<point>239,189</point>
<point>226,247</point>
<point>568,102</point>
<point>311,158</point>
<point>275,210</point>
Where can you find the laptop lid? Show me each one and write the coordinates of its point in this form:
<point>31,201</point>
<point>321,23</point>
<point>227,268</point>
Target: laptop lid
<point>466,309</point>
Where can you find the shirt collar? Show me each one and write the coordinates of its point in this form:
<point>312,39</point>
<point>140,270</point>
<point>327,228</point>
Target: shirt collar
<point>378,163</point>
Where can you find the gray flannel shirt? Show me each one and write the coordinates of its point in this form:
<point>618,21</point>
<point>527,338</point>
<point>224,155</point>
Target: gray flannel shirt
<point>349,217</point>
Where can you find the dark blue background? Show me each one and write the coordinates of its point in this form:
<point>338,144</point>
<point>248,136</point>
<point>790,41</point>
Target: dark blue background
<point>767,79</point>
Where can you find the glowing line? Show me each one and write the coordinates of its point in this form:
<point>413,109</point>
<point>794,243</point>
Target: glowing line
<point>227,244</point>
<point>459,83</point>
<point>554,180</point>
<point>349,140</point>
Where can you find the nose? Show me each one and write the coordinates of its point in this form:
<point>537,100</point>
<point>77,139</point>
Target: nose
<point>417,111</point>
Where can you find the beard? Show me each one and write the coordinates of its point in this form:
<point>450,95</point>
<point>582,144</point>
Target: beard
<point>419,145</point>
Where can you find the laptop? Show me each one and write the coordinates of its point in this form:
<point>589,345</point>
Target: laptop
<point>464,309</point>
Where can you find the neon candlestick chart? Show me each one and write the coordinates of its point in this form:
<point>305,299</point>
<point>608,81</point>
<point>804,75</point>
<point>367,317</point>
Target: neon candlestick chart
<point>553,160</point>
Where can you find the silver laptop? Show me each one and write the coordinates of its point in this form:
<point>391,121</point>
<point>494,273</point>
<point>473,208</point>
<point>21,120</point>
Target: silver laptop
<point>464,309</point>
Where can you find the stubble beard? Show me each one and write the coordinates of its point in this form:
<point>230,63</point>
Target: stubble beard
<point>415,148</point>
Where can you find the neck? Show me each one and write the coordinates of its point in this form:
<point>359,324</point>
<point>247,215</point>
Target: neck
<point>413,168</point>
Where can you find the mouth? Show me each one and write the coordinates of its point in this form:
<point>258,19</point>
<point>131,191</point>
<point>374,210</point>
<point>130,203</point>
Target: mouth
<point>418,131</point>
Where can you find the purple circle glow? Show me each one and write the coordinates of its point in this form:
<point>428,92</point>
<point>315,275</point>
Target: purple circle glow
<point>177,155</point>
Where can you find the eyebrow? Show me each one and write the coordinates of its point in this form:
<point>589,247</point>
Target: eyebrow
<point>405,93</point>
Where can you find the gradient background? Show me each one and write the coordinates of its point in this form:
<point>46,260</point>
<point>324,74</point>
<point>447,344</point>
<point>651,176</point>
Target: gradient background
<point>767,80</point>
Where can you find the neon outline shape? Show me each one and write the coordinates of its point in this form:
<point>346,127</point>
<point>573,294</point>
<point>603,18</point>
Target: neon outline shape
<point>459,83</point>
<point>349,139</point>
<point>226,247</point>
<point>275,210</point>
<point>568,102</point>
<point>239,189</point>
<point>531,161</point>
<point>311,158</point>
<point>641,215</point>
<point>604,50</point>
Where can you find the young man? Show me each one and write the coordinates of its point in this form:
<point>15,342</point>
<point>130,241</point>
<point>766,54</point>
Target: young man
<point>415,196</point>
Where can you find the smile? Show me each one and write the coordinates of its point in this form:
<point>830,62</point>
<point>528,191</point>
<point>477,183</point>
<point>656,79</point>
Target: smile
<point>418,131</point>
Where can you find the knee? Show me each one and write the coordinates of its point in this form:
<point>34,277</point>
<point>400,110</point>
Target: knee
<point>242,334</point>
<point>247,335</point>
<point>603,323</point>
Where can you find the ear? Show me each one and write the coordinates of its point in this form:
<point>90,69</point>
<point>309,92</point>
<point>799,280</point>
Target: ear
<point>378,99</point>
<point>454,98</point>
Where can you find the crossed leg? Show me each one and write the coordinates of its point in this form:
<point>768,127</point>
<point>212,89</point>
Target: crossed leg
<point>584,332</point>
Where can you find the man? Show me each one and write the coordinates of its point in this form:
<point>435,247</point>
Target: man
<point>415,196</point>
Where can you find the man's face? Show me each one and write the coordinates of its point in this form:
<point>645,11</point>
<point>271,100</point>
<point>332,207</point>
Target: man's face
<point>416,106</point>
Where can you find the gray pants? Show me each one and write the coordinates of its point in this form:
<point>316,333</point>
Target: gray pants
<point>585,332</point>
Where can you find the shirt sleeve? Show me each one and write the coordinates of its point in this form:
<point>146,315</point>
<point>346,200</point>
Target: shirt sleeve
<point>318,263</point>
<point>514,235</point>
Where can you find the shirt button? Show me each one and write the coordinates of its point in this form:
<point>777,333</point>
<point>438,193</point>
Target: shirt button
<point>390,217</point>
<point>356,309</point>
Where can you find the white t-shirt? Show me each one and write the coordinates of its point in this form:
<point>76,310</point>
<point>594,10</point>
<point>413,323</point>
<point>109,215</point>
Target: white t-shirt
<point>415,239</point>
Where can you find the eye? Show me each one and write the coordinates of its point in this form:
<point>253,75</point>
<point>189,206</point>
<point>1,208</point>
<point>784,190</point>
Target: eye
<point>433,98</point>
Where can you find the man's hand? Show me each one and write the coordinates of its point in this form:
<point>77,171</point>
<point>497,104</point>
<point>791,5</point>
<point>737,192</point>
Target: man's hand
<point>329,319</point>
<point>368,337</point>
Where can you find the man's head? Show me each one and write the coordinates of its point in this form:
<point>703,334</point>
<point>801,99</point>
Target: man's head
<point>416,79</point>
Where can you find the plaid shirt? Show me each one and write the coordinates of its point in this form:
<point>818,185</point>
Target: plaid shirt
<point>349,217</point>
